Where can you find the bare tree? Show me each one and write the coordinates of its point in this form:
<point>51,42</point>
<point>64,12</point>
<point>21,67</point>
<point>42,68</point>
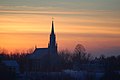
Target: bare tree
<point>79,49</point>
<point>80,53</point>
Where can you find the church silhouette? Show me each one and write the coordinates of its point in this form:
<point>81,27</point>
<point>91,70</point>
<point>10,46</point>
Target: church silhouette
<point>44,59</point>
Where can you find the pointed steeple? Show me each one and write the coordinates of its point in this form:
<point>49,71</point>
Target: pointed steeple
<point>52,30</point>
<point>52,44</point>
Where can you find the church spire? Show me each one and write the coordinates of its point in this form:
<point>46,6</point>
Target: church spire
<point>52,30</point>
<point>52,44</point>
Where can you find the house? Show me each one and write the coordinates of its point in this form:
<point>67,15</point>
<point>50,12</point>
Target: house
<point>12,65</point>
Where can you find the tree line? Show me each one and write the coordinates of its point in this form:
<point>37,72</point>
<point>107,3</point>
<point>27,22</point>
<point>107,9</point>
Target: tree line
<point>70,60</point>
<point>67,59</point>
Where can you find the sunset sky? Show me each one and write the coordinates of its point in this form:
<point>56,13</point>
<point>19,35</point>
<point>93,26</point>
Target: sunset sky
<point>92,23</point>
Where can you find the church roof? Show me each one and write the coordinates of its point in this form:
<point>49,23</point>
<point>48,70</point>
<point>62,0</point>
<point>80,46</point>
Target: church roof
<point>39,52</point>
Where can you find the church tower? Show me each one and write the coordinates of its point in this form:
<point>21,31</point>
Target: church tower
<point>52,46</point>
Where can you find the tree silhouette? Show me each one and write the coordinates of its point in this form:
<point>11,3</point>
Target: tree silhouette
<point>80,54</point>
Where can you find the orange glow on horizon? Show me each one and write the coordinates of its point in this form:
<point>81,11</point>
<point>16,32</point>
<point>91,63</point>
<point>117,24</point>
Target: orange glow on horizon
<point>22,31</point>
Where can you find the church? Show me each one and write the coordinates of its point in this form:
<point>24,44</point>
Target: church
<point>44,58</point>
<point>52,46</point>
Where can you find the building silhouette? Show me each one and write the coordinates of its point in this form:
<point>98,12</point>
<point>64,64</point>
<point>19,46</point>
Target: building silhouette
<point>45,59</point>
